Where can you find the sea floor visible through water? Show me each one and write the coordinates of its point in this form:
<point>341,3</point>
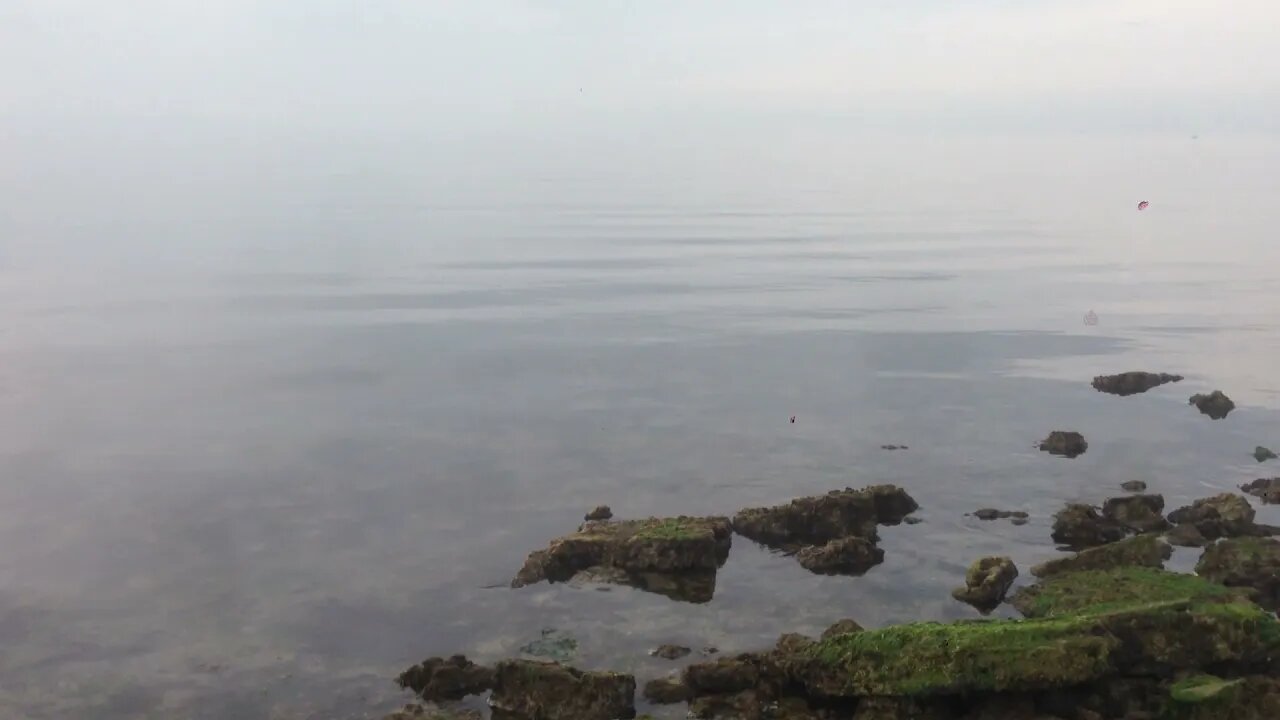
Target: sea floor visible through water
<point>262,484</point>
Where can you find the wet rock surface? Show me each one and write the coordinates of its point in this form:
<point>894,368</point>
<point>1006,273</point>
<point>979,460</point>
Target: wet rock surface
<point>1216,405</point>
<point>1186,536</point>
<point>1263,454</point>
<point>1133,382</point>
<point>551,691</point>
<point>677,556</point>
<point>1079,526</point>
<point>1265,489</point>
<point>1223,515</point>
<point>670,652</point>
<point>846,556</point>
<point>994,514</point>
<point>1245,562</point>
<point>601,512</point>
<point>1141,551</point>
<point>986,583</point>
<point>1065,443</point>
<point>453,678</point>
<point>666,691</point>
<point>1133,486</point>
<point>1139,513</point>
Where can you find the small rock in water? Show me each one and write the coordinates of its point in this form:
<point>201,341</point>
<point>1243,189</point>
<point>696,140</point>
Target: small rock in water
<point>1216,405</point>
<point>993,514</point>
<point>846,556</point>
<point>986,583</point>
<point>670,652</point>
<point>602,512</point>
<point>1265,489</point>
<point>1018,521</point>
<point>1262,454</point>
<point>1133,486</point>
<point>553,644</point>
<point>1080,526</point>
<point>912,520</point>
<point>893,447</point>
<point>1132,383</point>
<point>1065,443</point>
<point>710,650</point>
<point>1140,513</point>
<point>1223,515</point>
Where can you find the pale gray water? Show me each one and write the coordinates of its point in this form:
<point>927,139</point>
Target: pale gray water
<point>260,454</point>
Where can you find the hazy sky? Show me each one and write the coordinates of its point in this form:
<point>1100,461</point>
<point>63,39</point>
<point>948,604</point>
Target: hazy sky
<point>457,67</point>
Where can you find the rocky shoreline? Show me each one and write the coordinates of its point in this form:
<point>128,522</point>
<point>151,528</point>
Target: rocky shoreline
<point>1106,632</point>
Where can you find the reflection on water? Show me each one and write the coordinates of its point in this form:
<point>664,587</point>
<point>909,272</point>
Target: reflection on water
<point>262,488</point>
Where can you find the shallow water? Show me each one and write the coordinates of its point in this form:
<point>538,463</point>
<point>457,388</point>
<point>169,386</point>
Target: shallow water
<point>259,479</point>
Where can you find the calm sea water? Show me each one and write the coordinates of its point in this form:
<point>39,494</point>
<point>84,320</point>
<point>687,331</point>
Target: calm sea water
<point>260,454</point>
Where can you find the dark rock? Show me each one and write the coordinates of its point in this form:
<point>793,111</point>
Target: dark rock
<point>1140,551</point>
<point>414,711</point>
<point>452,678</point>
<point>602,512</point>
<point>1132,383</point>
<point>710,650</point>
<point>1186,536</point>
<point>1245,562</point>
<point>1065,443</point>
<point>1262,454</point>
<point>912,520</point>
<point>1265,489</point>
<point>1080,526</point>
<point>986,583</point>
<point>1018,521</point>
<point>551,691</point>
<point>819,519</point>
<point>670,652</point>
<point>665,691</point>
<point>791,643</point>
<point>1215,404</point>
<point>742,705</point>
<point>729,675</point>
<point>841,627</point>
<point>894,447</point>
<point>1223,515</point>
<point>993,514</point>
<point>846,556</point>
<point>648,554</point>
<point>901,708</point>
<point>1140,513</point>
<point>1133,486</point>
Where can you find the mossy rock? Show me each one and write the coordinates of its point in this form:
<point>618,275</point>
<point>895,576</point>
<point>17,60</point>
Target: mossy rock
<point>1142,550</point>
<point>1205,697</point>
<point>1085,627</point>
<point>1202,688</point>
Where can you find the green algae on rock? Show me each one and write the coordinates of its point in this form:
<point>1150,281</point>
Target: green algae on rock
<point>1249,562</point>
<point>1138,551</point>
<point>986,582</point>
<point>551,691</point>
<point>1084,626</point>
<point>1199,688</point>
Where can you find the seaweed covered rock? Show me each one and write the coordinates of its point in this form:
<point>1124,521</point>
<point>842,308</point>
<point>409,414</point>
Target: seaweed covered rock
<point>1223,515</point>
<point>1206,697</point>
<point>1065,443</point>
<point>1132,383</point>
<point>1140,513</point>
<point>641,553</point>
<point>1265,489</point>
<point>666,691</point>
<point>986,583</point>
<point>1263,454</point>
<point>842,627</point>
<point>819,519</point>
<point>994,514</point>
<point>845,556</point>
<point>729,675</point>
<point>1246,562</point>
<point>1083,627</point>
<point>551,691</point>
<point>453,678</point>
<point>1216,405</point>
<point>1080,526</point>
<point>1139,551</point>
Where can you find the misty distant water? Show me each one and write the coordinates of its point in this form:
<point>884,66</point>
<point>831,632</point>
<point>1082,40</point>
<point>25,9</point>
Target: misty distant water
<point>277,422</point>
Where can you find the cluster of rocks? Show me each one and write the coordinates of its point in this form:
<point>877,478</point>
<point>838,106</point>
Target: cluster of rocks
<point>1017,517</point>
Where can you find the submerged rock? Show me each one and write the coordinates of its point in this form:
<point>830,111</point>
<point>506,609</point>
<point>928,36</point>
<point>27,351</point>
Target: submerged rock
<point>1265,489</point>
<point>986,583</point>
<point>554,645</point>
<point>1140,513</point>
<point>1216,405</point>
<point>1085,627</point>
<point>1065,443</point>
<point>602,512</point>
<point>643,553</point>
<point>1223,515</point>
<point>1262,454</point>
<point>665,691</point>
<point>819,519</point>
<point>845,556</point>
<point>912,520</point>
<point>551,691</point>
<point>670,652</point>
<point>1245,562</point>
<point>1080,526</point>
<point>1140,551</point>
<point>1133,486</point>
<point>841,627</point>
<point>894,447</point>
<point>1133,382</point>
<point>994,514</point>
<point>436,679</point>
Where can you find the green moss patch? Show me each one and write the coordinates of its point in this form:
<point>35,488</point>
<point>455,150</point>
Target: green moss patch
<point>1095,592</point>
<point>1199,688</point>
